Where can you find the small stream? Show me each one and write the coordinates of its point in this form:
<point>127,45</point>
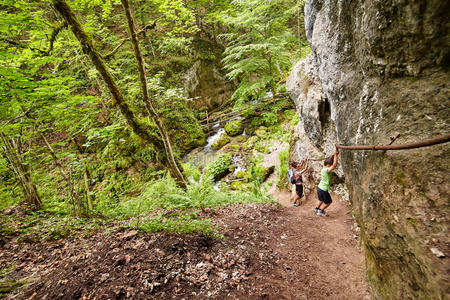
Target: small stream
<point>202,156</point>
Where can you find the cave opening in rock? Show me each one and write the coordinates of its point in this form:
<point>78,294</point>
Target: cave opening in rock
<point>324,112</point>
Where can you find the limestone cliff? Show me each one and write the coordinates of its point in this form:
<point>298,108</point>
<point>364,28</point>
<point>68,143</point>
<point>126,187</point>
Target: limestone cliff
<point>383,67</point>
<point>314,136</point>
<point>206,84</point>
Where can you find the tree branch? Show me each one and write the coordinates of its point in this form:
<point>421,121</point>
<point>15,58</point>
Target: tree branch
<point>25,113</point>
<point>56,30</point>
<point>114,51</point>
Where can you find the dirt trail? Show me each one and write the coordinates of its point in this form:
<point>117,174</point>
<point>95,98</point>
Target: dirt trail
<point>268,252</point>
<point>319,256</point>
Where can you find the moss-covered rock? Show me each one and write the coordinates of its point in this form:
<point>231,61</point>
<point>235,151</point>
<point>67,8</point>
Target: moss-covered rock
<point>235,147</point>
<point>221,141</point>
<point>230,148</point>
<point>241,138</point>
<point>261,132</point>
<point>267,172</point>
<point>241,174</point>
<point>234,128</point>
<point>250,143</point>
<point>262,146</point>
<point>261,173</point>
<point>237,185</point>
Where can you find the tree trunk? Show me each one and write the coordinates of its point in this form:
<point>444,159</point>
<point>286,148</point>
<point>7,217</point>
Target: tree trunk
<point>174,169</point>
<point>78,205</point>
<point>298,32</point>
<point>30,193</point>
<point>86,176</point>
<point>88,48</point>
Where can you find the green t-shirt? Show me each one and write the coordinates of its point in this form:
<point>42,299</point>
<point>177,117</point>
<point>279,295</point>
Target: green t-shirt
<point>324,184</point>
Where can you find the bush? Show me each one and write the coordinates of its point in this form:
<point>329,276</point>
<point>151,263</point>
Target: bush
<point>269,118</point>
<point>191,172</point>
<point>282,182</point>
<point>219,168</point>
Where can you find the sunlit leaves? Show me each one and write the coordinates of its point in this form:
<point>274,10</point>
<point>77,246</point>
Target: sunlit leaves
<point>257,46</point>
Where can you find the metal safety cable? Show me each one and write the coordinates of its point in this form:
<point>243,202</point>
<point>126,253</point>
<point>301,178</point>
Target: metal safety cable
<point>423,143</point>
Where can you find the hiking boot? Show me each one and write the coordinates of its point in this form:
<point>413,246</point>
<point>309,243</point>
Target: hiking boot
<point>322,213</point>
<point>316,210</point>
<point>295,204</point>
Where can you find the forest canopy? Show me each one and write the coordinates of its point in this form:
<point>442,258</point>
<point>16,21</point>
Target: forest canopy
<point>95,113</point>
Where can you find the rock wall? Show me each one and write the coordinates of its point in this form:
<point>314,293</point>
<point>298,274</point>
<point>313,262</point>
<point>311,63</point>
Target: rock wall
<point>206,85</point>
<point>315,135</point>
<point>384,68</point>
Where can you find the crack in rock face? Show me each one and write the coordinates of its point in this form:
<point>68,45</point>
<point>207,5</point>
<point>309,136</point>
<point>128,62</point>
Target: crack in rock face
<point>379,67</point>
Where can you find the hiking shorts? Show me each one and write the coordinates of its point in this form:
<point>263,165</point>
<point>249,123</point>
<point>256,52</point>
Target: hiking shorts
<point>324,196</point>
<point>299,190</point>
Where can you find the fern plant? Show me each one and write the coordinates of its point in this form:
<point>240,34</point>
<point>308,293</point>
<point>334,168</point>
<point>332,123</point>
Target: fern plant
<point>257,46</point>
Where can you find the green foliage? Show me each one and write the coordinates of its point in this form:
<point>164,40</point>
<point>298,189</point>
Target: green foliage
<point>247,113</point>
<point>191,172</point>
<point>219,168</point>
<point>178,119</point>
<point>221,141</point>
<point>269,118</point>
<point>257,46</point>
<point>250,143</point>
<point>281,181</point>
<point>294,121</point>
<point>234,127</point>
<point>178,223</point>
<point>60,93</point>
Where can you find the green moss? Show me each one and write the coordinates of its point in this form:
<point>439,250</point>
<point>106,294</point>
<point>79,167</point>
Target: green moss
<point>250,143</point>
<point>236,147</point>
<point>400,179</point>
<point>412,221</point>
<point>262,147</point>
<point>247,113</point>
<point>221,141</point>
<point>261,132</point>
<point>234,128</point>
<point>241,138</point>
<point>241,174</point>
<point>237,185</point>
<point>259,172</point>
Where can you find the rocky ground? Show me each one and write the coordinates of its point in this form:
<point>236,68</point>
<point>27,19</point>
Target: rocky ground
<point>269,252</point>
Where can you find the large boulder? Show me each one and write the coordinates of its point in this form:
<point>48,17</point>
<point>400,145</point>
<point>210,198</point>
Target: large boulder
<point>221,141</point>
<point>383,68</point>
<point>234,127</point>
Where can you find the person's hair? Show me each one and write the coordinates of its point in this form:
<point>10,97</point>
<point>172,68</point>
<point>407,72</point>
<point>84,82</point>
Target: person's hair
<point>294,164</point>
<point>328,161</point>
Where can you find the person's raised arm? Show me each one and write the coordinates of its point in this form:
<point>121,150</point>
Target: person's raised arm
<point>301,164</point>
<point>306,166</point>
<point>335,161</point>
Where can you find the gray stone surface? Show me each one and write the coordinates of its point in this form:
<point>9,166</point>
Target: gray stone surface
<point>314,136</point>
<point>206,85</point>
<point>383,67</point>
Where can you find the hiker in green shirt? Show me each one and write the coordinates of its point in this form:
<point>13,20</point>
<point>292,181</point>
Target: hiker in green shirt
<point>324,185</point>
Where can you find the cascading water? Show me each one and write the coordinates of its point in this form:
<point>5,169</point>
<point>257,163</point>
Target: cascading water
<point>203,156</point>
<point>211,139</point>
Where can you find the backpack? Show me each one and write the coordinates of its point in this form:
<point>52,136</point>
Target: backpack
<point>291,176</point>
